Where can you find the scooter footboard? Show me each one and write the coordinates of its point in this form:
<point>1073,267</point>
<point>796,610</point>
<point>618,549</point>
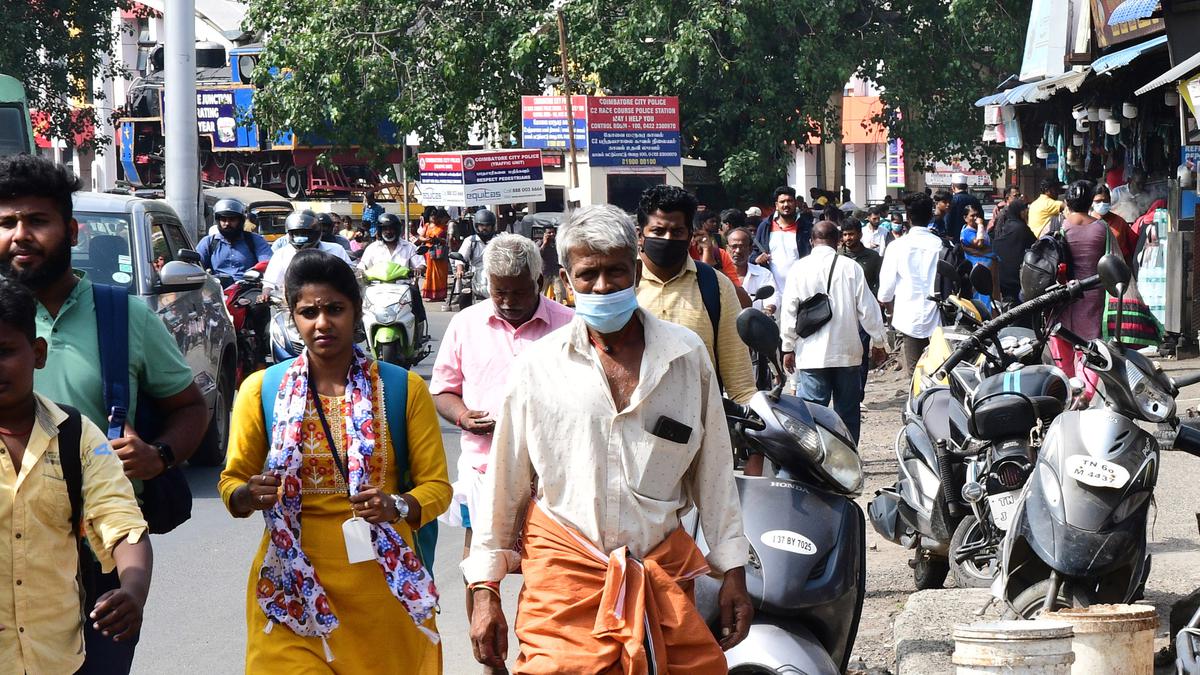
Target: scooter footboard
<point>775,643</point>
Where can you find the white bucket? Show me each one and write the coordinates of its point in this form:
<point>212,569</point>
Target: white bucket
<point>1112,639</point>
<point>1013,647</point>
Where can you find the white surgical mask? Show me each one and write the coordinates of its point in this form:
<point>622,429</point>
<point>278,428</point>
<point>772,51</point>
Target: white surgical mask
<point>1102,208</point>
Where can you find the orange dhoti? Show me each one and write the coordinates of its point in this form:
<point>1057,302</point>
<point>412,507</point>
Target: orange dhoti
<point>582,611</point>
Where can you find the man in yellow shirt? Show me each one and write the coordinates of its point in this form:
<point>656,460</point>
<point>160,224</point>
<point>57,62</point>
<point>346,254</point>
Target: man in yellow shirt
<point>1046,206</point>
<point>41,630</point>
<point>669,286</point>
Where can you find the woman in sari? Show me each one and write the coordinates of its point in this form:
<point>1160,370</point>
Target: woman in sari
<point>343,481</point>
<point>437,268</point>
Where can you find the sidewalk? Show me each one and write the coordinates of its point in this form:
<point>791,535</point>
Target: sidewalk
<point>922,632</point>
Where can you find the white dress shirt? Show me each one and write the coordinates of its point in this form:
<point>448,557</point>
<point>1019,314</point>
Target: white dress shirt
<point>404,254</point>
<point>756,277</point>
<point>600,470</point>
<point>784,254</point>
<point>908,277</point>
<point>277,268</point>
<point>472,249</point>
<point>836,344</point>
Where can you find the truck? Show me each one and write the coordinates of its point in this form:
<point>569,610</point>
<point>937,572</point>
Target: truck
<point>16,126</point>
<point>234,151</point>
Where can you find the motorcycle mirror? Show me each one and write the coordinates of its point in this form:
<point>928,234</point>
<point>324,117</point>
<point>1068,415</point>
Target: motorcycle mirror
<point>1114,274</point>
<point>457,256</point>
<point>758,331</point>
<point>764,292</point>
<point>946,269</point>
<point>981,279</point>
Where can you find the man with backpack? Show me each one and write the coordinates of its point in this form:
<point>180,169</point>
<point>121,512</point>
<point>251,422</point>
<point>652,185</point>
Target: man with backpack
<point>76,319</point>
<point>675,288</point>
<point>909,277</point>
<point>52,462</point>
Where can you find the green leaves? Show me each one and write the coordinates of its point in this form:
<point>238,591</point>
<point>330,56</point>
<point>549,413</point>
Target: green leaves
<point>57,49</point>
<point>752,75</point>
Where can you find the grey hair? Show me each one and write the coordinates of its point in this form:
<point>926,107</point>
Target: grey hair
<point>602,228</point>
<point>511,255</point>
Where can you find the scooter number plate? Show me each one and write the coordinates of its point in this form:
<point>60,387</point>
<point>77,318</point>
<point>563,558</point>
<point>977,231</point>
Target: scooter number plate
<point>1003,507</point>
<point>1096,472</point>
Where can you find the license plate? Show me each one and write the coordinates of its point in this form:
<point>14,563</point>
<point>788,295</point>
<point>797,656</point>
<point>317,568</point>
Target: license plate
<point>1003,507</point>
<point>1096,472</point>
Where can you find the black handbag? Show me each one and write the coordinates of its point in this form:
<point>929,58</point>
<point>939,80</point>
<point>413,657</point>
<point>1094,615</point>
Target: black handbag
<point>815,311</point>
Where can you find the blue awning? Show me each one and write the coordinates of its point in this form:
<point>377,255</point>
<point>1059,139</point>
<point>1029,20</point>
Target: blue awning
<point>1132,10</point>
<point>1127,56</point>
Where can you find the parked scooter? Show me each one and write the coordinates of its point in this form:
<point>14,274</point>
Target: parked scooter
<point>471,287</point>
<point>807,569</point>
<point>393,332</point>
<point>1079,534</point>
<point>242,299</point>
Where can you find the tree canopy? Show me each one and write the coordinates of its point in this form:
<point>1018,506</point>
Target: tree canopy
<point>752,75</point>
<point>58,49</point>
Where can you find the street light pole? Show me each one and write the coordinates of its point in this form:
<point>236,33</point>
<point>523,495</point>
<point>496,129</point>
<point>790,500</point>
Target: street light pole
<point>562,49</point>
<point>182,153</point>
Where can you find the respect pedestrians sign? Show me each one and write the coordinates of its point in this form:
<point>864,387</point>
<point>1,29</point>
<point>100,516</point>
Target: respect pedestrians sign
<point>481,177</point>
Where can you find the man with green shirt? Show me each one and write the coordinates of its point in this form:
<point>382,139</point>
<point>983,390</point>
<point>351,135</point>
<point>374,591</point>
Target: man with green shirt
<point>37,231</point>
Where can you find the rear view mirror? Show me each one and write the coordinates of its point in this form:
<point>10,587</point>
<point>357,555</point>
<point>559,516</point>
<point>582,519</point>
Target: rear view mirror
<point>764,292</point>
<point>187,255</point>
<point>981,279</point>
<point>178,275</point>
<point>758,331</point>
<point>946,269</point>
<point>455,255</point>
<point>1114,274</point>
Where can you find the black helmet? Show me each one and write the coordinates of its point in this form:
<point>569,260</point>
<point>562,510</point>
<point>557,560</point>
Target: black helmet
<point>300,221</point>
<point>389,220</point>
<point>230,207</point>
<point>325,221</point>
<point>485,217</point>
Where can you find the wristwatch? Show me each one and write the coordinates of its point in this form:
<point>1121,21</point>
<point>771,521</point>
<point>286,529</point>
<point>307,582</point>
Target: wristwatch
<point>402,507</point>
<point>166,454</point>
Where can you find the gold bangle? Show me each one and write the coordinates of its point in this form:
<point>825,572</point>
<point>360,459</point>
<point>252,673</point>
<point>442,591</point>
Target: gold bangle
<point>490,587</point>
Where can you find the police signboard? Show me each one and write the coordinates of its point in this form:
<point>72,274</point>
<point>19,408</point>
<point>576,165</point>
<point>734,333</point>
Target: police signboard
<point>625,131</point>
<point>481,177</point>
<point>544,122</point>
<point>633,131</point>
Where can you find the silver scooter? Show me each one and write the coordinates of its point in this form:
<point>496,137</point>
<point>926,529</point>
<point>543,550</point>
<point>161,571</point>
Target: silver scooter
<point>807,569</point>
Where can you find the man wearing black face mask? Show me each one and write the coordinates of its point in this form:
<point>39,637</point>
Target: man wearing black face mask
<point>473,246</point>
<point>676,288</point>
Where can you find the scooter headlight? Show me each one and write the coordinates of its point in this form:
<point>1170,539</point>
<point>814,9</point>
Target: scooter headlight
<point>1048,482</point>
<point>841,464</point>
<point>386,313</point>
<point>1156,405</point>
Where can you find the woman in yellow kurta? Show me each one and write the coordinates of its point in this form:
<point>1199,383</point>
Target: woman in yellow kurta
<point>371,616</point>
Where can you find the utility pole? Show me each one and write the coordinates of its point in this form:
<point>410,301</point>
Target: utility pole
<point>562,49</point>
<point>182,151</point>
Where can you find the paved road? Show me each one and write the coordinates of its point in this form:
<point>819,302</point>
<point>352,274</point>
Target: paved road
<point>195,619</point>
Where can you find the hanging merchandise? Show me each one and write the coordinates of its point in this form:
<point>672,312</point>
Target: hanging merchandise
<point>1171,98</point>
<point>1104,114</point>
<point>1077,140</point>
<point>1081,125</point>
<point>1112,127</point>
<point>1129,111</point>
<point>1093,114</point>
<point>1152,265</point>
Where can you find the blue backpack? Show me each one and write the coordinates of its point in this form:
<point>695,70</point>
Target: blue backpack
<point>395,402</point>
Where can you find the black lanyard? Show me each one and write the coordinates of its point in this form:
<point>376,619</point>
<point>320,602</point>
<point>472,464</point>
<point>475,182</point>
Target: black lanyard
<point>329,437</point>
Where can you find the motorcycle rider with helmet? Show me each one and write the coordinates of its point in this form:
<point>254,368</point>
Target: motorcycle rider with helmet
<point>231,250</point>
<point>303,232</point>
<point>392,247</point>
<point>473,246</point>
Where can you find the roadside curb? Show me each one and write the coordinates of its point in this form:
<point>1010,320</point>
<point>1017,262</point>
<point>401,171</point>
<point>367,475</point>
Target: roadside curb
<point>922,631</point>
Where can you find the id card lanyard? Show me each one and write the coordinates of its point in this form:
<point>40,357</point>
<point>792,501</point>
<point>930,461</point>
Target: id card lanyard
<point>356,531</point>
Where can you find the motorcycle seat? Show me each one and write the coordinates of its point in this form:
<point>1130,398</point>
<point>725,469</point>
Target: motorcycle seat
<point>933,407</point>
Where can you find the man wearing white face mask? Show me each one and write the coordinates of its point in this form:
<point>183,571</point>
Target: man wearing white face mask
<point>617,420</point>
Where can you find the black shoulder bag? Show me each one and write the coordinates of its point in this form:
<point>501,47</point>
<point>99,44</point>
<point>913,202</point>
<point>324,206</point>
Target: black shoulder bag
<point>815,311</point>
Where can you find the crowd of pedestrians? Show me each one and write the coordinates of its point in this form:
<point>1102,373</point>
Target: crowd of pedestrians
<point>586,430</point>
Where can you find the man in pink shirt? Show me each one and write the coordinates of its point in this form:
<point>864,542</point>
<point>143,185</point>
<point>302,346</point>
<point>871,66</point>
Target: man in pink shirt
<point>470,374</point>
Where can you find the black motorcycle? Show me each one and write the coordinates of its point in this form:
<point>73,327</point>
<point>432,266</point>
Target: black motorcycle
<point>807,569</point>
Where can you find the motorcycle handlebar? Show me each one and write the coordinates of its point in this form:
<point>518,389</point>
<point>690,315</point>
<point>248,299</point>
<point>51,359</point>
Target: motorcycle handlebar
<point>742,414</point>
<point>1186,381</point>
<point>990,329</point>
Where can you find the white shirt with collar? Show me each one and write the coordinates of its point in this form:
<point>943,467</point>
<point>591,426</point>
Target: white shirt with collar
<point>836,344</point>
<point>472,249</point>
<point>281,259</point>
<point>600,470</point>
<point>756,277</point>
<point>404,254</point>
<point>908,277</point>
